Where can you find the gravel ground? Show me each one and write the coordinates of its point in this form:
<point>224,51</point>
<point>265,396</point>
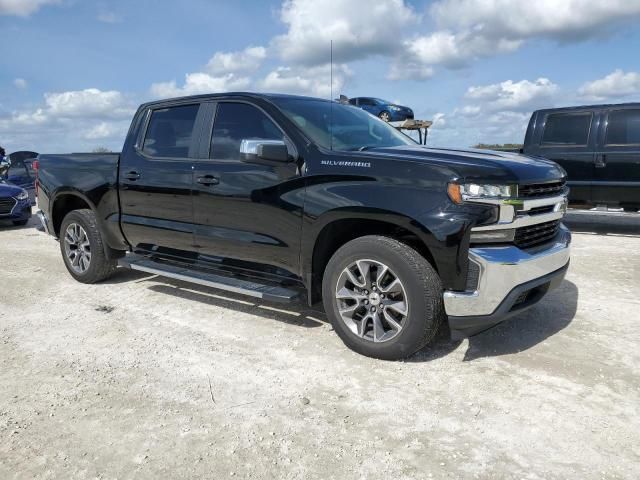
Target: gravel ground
<point>143,377</point>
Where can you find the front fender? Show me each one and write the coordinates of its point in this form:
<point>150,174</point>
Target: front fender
<point>423,210</point>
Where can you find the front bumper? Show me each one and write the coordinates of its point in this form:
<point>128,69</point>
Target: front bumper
<point>510,280</point>
<point>20,211</point>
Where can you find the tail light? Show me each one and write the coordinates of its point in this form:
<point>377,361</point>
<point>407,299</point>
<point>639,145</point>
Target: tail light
<point>36,168</point>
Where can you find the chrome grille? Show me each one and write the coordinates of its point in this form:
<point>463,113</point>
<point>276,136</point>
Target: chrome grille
<point>6,205</point>
<point>532,235</point>
<point>533,190</point>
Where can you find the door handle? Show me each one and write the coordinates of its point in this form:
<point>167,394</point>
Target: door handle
<point>132,175</point>
<point>208,180</point>
<point>601,160</point>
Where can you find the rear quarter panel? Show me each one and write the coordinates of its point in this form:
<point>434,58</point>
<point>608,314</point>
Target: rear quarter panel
<point>91,177</point>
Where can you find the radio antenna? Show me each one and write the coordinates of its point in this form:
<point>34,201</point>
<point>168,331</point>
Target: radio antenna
<point>331,93</point>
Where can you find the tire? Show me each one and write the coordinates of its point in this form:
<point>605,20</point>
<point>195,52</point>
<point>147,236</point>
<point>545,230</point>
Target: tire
<point>385,116</point>
<point>98,267</point>
<point>419,292</point>
<point>20,223</point>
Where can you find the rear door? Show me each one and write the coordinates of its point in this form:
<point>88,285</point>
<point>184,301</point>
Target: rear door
<point>156,178</point>
<point>569,138</point>
<point>240,208</point>
<point>618,158</point>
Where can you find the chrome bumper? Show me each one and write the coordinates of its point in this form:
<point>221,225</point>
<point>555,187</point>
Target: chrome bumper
<point>44,222</point>
<point>502,270</point>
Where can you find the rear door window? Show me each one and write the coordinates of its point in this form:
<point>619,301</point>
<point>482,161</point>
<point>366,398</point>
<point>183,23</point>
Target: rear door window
<point>623,127</point>
<point>170,131</point>
<point>567,129</point>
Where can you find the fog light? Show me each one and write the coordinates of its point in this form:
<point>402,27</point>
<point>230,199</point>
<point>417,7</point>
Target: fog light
<point>487,236</point>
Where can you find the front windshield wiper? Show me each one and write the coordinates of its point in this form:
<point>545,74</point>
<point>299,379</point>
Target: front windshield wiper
<point>366,147</point>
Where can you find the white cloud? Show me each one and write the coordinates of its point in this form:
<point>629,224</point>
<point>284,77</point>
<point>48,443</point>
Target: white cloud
<point>198,83</point>
<point>512,95</point>
<point>564,20</point>
<point>20,83</point>
<point>245,61</point>
<point>315,81</point>
<point>617,84</point>
<point>357,30</point>
<point>70,120</point>
<point>23,8</point>
<point>468,30</point>
<point>495,113</point>
<point>89,103</point>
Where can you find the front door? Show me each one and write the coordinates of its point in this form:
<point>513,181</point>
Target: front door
<point>156,179</point>
<point>618,159</point>
<point>569,139</point>
<point>240,209</point>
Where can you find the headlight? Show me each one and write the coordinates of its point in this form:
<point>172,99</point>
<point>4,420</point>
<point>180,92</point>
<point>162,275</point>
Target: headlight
<point>394,108</point>
<point>23,195</point>
<point>476,191</point>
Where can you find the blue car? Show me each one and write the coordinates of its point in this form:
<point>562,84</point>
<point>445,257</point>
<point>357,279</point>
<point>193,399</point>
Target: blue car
<point>15,205</point>
<point>21,172</point>
<point>387,111</point>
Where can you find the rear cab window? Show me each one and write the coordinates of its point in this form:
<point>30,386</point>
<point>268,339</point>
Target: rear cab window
<point>623,127</point>
<point>169,133</point>
<point>567,129</point>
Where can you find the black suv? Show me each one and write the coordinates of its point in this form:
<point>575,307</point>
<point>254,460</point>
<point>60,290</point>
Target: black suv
<point>598,146</point>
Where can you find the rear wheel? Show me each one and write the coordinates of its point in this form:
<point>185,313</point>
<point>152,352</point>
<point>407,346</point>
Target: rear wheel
<point>386,116</point>
<point>83,249</point>
<point>384,299</point>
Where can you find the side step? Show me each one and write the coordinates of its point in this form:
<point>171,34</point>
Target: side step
<point>269,293</point>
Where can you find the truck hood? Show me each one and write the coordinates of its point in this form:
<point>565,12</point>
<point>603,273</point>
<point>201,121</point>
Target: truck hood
<point>478,165</point>
<point>8,190</point>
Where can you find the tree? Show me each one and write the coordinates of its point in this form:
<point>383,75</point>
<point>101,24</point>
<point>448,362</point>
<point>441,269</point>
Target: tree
<point>101,150</point>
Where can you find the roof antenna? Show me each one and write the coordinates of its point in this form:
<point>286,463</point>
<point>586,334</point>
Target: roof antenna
<point>331,94</point>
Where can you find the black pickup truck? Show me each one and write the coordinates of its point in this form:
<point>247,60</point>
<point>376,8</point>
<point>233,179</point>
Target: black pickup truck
<point>276,195</point>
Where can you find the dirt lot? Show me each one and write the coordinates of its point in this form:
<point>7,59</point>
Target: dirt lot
<point>150,378</point>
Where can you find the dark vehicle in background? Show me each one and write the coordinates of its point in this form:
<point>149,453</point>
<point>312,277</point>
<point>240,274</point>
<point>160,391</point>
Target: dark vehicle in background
<point>387,111</point>
<point>21,171</point>
<point>15,205</point>
<point>598,146</point>
<point>275,196</point>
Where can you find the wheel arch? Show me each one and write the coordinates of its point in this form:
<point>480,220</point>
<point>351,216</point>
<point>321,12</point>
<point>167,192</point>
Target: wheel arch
<point>338,229</point>
<point>65,202</point>
<point>69,200</point>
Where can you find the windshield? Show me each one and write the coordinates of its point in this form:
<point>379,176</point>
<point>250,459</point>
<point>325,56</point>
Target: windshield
<point>340,127</point>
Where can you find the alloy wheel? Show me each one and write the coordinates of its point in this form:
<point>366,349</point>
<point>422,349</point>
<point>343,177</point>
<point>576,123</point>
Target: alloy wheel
<point>371,300</point>
<point>77,248</point>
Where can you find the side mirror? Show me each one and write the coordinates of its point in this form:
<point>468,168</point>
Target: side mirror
<point>267,150</point>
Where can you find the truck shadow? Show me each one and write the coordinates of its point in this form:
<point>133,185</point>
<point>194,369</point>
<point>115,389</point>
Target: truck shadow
<point>295,314</point>
<point>554,313</point>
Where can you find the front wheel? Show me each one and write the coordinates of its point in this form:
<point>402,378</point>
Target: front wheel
<point>383,298</point>
<point>83,249</point>
<point>385,116</point>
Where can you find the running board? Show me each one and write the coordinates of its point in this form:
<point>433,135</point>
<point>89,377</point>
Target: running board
<point>269,293</point>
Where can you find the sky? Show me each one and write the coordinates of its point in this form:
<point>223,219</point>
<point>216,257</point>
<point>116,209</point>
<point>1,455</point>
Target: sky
<point>74,71</point>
